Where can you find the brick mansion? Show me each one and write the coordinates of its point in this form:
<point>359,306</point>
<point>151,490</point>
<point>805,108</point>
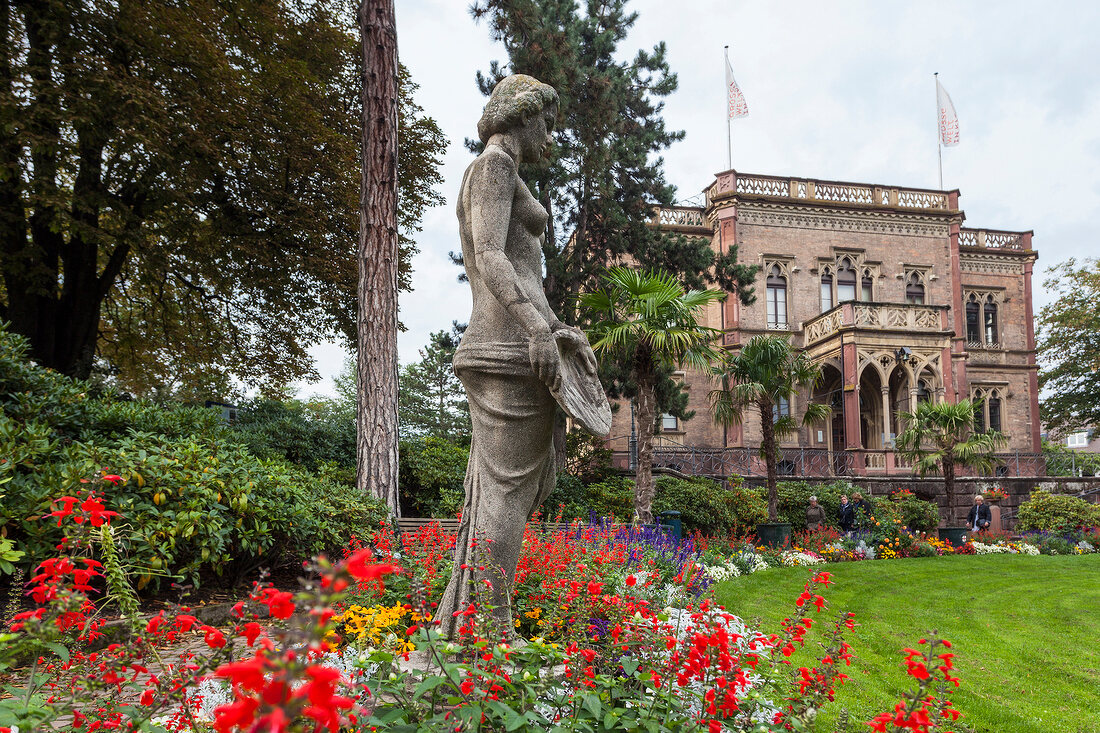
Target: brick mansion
<point>884,288</point>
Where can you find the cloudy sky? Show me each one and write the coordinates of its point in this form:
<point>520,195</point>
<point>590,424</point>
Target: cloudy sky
<point>838,91</point>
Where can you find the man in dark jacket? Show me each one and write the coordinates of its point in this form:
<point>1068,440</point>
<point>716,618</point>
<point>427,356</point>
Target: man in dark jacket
<point>979,517</point>
<point>847,515</point>
<point>862,513</point>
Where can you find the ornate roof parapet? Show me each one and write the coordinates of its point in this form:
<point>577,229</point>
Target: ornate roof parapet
<point>744,186</point>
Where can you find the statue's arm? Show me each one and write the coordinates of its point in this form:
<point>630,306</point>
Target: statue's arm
<point>492,189</point>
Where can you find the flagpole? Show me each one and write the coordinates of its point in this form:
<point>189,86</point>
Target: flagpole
<point>939,135</point>
<point>729,131</point>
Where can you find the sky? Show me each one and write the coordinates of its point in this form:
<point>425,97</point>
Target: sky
<point>837,91</point>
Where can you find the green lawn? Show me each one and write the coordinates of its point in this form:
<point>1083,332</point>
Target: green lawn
<point>1026,631</point>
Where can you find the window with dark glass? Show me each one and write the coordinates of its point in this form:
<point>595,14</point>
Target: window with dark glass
<point>777,298</point>
<point>914,290</point>
<point>845,281</point>
<point>990,315</point>
<point>973,321</point>
<point>979,419</point>
<point>994,413</point>
<point>924,394</point>
<point>826,292</point>
<point>867,288</point>
<point>782,408</point>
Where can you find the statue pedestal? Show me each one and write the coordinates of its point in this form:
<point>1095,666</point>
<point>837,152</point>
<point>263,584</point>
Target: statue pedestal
<point>995,524</point>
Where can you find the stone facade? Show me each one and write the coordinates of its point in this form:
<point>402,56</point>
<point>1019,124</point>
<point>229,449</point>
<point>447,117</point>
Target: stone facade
<point>885,288</point>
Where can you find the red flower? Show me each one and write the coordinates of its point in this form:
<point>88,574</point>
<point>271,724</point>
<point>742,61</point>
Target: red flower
<point>66,509</point>
<point>467,686</point>
<point>248,674</point>
<point>112,478</point>
<point>251,631</point>
<point>360,565</point>
<point>279,603</point>
<point>154,623</point>
<point>213,638</point>
<point>237,715</point>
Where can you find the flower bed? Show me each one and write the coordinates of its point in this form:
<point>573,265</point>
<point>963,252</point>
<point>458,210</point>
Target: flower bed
<point>623,635</point>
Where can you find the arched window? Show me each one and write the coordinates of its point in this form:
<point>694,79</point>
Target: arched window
<point>973,320</point>
<point>979,419</point>
<point>845,281</point>
<point>993,407</point>
<point>867,287</point>
<point>990,321</point>
<point>826,290</point>
<point>914,289</point>
<point>777,298</point>
<point>987,416</point>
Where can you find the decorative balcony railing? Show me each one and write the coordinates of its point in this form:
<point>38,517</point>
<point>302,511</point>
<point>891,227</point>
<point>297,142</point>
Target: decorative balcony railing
<point>833,191</point>
<point>994,239</point>
<point>678,216</point>
<point>819,462</point>
<point>885,316</point>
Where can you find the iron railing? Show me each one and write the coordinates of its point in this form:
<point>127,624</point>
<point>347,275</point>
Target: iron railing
<point>819,462</point>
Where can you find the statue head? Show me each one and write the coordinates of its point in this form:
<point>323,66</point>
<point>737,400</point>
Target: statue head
<point>514,99</point>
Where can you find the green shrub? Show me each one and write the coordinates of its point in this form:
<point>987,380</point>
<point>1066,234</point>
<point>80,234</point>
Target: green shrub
<point>612,497</point>
<point>916,514</point>
<point>708,507</point>
<point>432,473</point>
<point>1056,513</point>
<point>195,503</point>
<point>306,434</point>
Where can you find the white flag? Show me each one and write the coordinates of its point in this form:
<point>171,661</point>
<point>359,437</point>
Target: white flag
<point>734,98</point>
<point>949,121</point>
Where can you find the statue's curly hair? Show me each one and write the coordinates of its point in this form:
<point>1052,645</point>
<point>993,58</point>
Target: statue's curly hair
<point>514,98</point>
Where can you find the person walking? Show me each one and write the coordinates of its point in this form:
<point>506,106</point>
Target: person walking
<point>847,516</point>
<point>862,513</point>
<point>815,516</point>
<point>979,517</point>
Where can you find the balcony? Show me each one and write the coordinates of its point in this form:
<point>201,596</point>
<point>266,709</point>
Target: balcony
<point>813,190</point>
<point>995,239</point>
<point>876,317</point>
<point>689,219</point>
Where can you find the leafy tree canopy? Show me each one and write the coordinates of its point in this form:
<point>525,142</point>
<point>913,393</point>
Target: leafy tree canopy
<point>179,186</point>
<point>1069,347</point>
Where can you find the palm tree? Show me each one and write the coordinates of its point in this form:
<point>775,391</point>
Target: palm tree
<point>648,319</point>
<point>942,436</point>
<point>766,374</point>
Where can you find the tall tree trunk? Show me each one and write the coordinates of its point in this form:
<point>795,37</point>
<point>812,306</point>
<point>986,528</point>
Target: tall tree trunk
<point>378,258</point>
<point>644,488</point>
<point>949,489</point>
<point>767,443</point>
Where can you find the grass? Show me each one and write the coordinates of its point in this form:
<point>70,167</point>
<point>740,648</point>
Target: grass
<point>1026,631</point>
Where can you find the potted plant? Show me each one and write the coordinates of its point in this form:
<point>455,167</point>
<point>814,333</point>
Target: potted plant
<point>995,496</point>
<point>938,437</point>
<point>767,373</point>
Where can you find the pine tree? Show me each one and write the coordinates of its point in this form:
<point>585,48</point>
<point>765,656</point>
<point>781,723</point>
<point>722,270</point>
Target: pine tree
<point>432,400</point>
<point>377,434</point>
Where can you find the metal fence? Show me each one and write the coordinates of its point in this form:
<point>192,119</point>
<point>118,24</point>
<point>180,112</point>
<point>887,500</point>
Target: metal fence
<point>817,462</point>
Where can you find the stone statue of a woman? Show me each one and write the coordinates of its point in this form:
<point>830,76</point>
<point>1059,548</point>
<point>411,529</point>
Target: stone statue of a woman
<point>514,355</point>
